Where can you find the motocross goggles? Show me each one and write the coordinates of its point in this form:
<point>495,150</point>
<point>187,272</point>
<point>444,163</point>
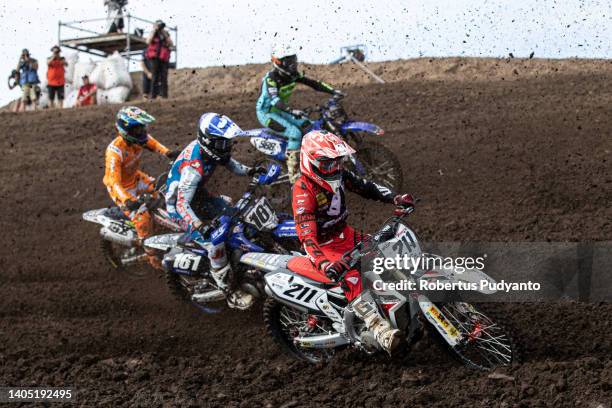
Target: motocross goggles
<point>288,65</point>
<point>329,167</point>
<point>137,134</point>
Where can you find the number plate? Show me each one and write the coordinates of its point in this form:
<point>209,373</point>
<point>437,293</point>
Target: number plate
<point>119,228</point>
<point>267,146</point>
<point>404,243</point>
<point>261,215</point>
<point>187,262</point>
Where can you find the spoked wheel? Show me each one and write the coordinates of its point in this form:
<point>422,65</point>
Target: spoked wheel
<point>131,260</point>
<point>486,344</point>
<point>285,323</point>
<point>380,164</point>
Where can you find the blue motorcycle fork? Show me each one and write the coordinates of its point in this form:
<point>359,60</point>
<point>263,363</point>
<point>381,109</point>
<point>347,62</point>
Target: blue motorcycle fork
<point>358,166</point>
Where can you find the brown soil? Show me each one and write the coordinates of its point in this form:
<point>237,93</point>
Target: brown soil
<point>493,160</point>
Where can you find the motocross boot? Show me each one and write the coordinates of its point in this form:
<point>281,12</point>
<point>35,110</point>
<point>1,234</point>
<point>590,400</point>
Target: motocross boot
<point>236,299</point>
<point>385,335</point>
<point>293,165</point>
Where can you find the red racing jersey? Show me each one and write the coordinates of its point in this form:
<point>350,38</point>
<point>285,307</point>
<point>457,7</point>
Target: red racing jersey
<point>321,214</point>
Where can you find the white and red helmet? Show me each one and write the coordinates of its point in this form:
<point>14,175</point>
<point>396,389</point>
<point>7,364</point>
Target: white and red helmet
<point>321,158</point>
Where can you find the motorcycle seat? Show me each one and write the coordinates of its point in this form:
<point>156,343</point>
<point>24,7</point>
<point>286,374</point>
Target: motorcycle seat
<point>303,267</point>
<point>186,241</point>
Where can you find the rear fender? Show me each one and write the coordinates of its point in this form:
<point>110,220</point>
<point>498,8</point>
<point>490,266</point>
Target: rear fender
<point>300,293</point>
<point>116,230</point>
<point>163,242</point>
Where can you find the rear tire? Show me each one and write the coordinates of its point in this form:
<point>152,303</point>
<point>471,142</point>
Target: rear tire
<point>380,164</point>
<point>113,254</point>
<point>279,320</point>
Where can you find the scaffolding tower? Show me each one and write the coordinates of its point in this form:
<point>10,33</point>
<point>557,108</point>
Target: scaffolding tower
<point>129,44</point>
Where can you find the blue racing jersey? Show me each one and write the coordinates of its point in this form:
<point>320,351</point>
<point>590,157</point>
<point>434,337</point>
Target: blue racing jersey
<point>192,169</point>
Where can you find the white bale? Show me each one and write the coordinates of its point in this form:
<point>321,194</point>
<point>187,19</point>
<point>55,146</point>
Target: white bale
<point>82,68</point>
<point>118,94</point>
<point>116,72</point>
<point>71,98</point>
<point>43,101</point>
<point>71,59</point>
<point>97,76</point>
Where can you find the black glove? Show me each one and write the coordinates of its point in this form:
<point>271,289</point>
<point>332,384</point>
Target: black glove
<point>173,154</point>
<point>333,270</point>
<point>404,203</point>
<point>298,113</point>
<point>132,205</point>
<point>256,170</point>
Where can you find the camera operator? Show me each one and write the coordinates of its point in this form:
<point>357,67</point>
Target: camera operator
<point>114,15</point>
<point>13,81</point>
<point>28,79</point>
<point>158,53</point>
<point>55,77</point>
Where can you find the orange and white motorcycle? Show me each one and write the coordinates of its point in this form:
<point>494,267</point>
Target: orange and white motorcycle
<point>310,318</point>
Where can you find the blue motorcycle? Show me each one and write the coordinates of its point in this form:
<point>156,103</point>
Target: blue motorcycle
<point>252,225</point>
<point>373,160</point>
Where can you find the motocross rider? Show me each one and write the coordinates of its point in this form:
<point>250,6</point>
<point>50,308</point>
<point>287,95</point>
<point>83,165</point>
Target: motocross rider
<point>123,177</point>
<point>185,186</point>
<point>273,111</point>
<point>320,212</point>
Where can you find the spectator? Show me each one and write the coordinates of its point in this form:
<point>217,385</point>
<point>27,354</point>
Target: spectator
<point>55,77</point>
<point>147,76</point>
<point>114,15</point>
<point>87,93</point>
<point>13,81</point>
<point>158,52</point>
<point>28,79</point>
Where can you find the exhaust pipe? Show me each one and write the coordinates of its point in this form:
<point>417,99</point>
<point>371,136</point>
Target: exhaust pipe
<point>210,296</point>
<point>323,341</point>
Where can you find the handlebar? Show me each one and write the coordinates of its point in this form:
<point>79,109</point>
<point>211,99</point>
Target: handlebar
<point>319,108</point>
<point>353,257</point>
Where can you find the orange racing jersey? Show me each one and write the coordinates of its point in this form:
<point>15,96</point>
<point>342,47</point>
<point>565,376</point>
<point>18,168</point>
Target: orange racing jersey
<point>123,165</point>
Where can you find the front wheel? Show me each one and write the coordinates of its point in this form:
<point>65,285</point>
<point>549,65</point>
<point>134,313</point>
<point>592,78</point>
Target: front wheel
<point>379,164</point>
<point>485,344</point>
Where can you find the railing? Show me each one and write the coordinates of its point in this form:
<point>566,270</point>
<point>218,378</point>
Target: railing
<point>125,41</point>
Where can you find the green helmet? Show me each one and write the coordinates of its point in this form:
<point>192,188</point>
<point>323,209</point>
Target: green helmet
<point>132,124</point>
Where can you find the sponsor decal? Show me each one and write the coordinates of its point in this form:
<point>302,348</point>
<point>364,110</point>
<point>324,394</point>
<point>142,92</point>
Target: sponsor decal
<point>300,210</point>
<point>449,328</point>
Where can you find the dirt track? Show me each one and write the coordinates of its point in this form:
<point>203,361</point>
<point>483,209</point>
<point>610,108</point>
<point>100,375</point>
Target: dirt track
<point>494,161</point>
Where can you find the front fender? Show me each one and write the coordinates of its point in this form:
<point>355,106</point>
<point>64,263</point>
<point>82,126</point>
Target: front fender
<point>354,126</point>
